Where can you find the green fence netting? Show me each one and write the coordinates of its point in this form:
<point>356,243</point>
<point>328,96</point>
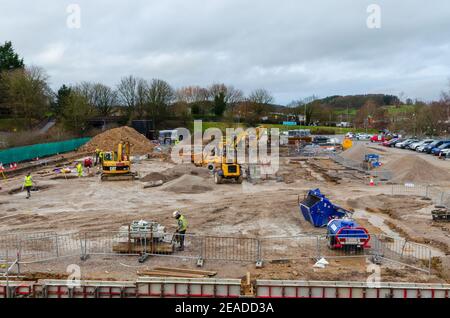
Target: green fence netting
<point>19,154</point>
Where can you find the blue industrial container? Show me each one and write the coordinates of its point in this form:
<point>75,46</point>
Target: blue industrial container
<point>318,210</point>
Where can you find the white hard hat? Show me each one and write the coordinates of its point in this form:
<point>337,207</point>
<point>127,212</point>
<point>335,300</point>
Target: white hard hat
<point>176,213</point>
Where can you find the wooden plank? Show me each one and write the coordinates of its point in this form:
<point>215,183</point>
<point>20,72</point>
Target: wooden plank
<point>185,270</point>
<point>126,247</point>
<point>157,273</point>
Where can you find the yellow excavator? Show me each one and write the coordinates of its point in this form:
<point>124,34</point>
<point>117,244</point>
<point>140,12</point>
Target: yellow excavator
<point>116,166</point>
<point>212,159</point>
<point>228,169</point>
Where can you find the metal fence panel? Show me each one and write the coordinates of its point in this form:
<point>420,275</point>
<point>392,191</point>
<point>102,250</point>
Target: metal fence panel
<point>238,249</point>
<point>289,248</point>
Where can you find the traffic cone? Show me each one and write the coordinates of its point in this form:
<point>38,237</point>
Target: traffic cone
<point>372,182</point>
<point>15,166</point>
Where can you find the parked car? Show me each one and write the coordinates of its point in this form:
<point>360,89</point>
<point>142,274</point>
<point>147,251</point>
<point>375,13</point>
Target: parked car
<point>416,144</point>
<point>422,147</point>
<point>434,144</point>
<point>436,151</point>
<point>404,143</point>
<point>445,153</point>
<point>378,138</point>
<point>350,135</point>
<point>362,136</point>
<point>410,142</point>
<point>395,141</point>
<point>389,143</point>
<point>424,142</point>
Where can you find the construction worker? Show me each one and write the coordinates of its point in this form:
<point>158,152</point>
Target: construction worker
<point>181,228</point>
<point>97,156</point>
<point>28,184</point>
<point>101,154</point>
<point>79,169</point>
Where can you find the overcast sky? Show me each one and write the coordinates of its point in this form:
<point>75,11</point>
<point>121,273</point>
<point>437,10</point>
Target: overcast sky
<point>293,48</point>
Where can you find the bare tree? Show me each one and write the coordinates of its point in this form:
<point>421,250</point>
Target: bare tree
<point>103,98</point>
<point>261,96</point>
<point>106,99</point>
<point>142,90</point>
<point>127,93</point>
<point>192,94</point>
<point>160,94</point>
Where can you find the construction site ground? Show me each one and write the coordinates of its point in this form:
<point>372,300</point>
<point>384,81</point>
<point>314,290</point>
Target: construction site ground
<point>266,208</point>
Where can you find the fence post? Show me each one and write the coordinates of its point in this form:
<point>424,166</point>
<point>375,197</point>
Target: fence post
<point>318,246</point>
<point>429,261</point>
<point>56,244</point>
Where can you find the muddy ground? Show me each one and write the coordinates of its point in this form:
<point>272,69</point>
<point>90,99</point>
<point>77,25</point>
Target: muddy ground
<point>265,208</point>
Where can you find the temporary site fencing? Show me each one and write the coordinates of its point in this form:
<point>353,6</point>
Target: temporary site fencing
<point>430,192</point>
<point>19,154</point>
<point>41,247</point>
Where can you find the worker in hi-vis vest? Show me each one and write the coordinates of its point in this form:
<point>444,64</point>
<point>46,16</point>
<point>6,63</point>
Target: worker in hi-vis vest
<point>79,170</point>
<point>181,228</point>
<point>28,184</point>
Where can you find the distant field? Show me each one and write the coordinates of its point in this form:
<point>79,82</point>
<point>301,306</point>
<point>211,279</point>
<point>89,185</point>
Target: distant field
<point>314,129</point>
<point>394,110</point>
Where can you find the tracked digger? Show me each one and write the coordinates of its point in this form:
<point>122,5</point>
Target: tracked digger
<point>227,169</point>
<point>116,165</point>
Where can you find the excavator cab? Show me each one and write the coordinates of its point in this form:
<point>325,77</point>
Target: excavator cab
<point>117,165</point>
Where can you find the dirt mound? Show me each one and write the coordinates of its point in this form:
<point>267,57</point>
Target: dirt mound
<point>359,150</point>
<point>176,172</point>
<point>109,139</point>
<point>187,184</point>
<point>411,168</point>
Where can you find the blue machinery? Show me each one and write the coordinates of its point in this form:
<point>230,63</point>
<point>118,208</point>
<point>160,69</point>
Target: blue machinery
<point>342,231</point>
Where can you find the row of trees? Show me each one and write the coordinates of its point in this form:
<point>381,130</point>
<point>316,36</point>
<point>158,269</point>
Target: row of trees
<point>25,94</point>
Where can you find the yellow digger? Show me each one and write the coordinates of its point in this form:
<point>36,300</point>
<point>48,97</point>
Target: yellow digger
<point>116,166</point>
<point>227,169</point>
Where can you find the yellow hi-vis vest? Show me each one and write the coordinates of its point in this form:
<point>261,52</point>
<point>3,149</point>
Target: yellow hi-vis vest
<point>28,182</point>
<point>79,167</point>
<point>182,223</point>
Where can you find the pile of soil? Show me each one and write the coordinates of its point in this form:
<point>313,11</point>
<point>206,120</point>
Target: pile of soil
<point>410,168</point>
<point>187,184</point>
<point>109,139</point>
<point>176,172</point>
<point>357,152</point>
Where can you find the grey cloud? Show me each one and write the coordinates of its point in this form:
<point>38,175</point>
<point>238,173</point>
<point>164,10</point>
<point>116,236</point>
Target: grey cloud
<point>293,48</point>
